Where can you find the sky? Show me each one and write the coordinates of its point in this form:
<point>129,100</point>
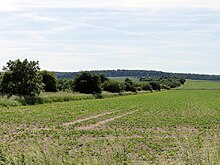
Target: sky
<point>70,35</point>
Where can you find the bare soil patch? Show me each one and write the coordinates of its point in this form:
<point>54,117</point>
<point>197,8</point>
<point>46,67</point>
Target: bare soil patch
<point>91,127</point>
<point>88,118</point>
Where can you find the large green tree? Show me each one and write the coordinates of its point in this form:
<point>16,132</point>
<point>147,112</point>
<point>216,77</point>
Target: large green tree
<point>21,78</point>
<point>86,82</point>
<point>49,80</point>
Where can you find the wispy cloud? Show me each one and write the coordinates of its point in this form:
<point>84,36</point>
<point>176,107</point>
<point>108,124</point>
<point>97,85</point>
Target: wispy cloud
<point>95,34</point>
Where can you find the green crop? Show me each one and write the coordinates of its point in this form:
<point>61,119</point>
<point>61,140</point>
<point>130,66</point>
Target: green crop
<point>198,84</point>
<point>170,127</point>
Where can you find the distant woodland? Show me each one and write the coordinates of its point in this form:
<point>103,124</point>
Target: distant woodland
<point>141,74</point>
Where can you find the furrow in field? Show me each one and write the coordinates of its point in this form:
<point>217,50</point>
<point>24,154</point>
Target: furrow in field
<point>90,127</point>
<point>88,118</point>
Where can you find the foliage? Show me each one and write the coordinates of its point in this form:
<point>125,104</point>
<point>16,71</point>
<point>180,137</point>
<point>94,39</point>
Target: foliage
<point>165,82</point>
<point>1,77</point>
<point>103,78</point>
<point>86,82</point>
<point>9,102</point>
<point>163,86</point>
<point>146,87</point>
<point>49,81</point>
<point>54,97</point>
<point>182,81</point>
<point>21,78</point>
<point>129,85</point>
<point>171,82</point>
<point>155,86</point>
<point>113,86</point>
<point>65,85</point>
<point>51,97</point>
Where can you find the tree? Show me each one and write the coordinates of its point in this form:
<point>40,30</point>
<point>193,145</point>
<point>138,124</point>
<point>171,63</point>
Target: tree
<point>112,86</point>
<point>129,85</point>
<point>65,85</point>
<point>103,78</point>
<point>1,77</point>
<point>146,87</point>
<point>86,82</point>
<point>128,81</point>
<point>49,81</point>
<point>21,78</point>
<point>155,86</point>
<point>182,81</point>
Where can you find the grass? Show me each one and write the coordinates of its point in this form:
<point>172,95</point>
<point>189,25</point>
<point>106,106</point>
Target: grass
<point>5,102</point>
<point>171,127</point>
<point>48,97</point>
<point>197,84</point>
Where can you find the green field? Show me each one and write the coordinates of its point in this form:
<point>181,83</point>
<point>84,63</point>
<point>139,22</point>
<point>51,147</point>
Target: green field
<point>193,84</point>
<point>171,127</point>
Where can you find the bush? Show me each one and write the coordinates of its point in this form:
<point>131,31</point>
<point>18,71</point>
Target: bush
<point>155,86</point>
<point>139,89</point>
<point>146,87</point>
<point>112,86</point>
<point>129,85</point>
<point>65,85</point>
<point>182,81</point>
<point>50,98</point>
<point>98,96</point>
<point>12,101</point>
<point>165,87</point>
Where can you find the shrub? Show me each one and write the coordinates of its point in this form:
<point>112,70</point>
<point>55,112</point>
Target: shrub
<point>155,86</point>
<point>165,87</point>
<point>112,86</point>
<point>129,85</point>
<point>65,85</point>
<point>146,87</point>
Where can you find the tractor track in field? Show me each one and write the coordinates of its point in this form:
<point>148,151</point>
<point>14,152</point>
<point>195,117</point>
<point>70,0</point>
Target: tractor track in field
<point>92,126</point>
<point>89,118</point>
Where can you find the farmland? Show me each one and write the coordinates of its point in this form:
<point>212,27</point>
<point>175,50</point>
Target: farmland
<point>198,84</point>
<point>170,127</point>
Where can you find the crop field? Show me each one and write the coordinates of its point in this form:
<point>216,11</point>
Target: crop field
<point>170,127</point>
<point>193,84</point>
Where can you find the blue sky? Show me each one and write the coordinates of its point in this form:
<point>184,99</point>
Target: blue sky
<point>72,35</point>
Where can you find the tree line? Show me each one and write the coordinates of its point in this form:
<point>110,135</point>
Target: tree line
<point>141,74</point>
<point>24,78</point>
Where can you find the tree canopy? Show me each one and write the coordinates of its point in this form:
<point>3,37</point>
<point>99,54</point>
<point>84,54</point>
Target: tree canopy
<point>49,80</point>
<point>21,78</point>
<point>86,82</point>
